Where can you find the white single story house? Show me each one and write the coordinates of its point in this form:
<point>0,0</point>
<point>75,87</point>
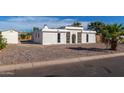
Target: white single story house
<point>11,36</point>
<point>63,35</point>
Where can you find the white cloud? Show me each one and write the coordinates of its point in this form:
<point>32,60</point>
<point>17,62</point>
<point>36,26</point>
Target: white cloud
<point>27,23</point>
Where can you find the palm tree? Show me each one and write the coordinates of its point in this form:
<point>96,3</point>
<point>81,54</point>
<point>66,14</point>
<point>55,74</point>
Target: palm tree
<point>96,26</point>
<point>111,34</point>
<point>78,24</point>
<point>35,29</point>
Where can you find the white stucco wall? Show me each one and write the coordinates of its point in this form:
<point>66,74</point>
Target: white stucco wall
<point>52,38</point>
<point>11,36</point>
<point>49,38</point>
<point>63,38</point>
<point>92,38</point>
<point>84,38</point>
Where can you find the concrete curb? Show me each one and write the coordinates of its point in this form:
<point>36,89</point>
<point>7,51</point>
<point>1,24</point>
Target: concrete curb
<point>55,62</point>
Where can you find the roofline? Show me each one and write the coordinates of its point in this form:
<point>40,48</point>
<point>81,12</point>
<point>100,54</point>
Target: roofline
<point>8,30</point>
<point>55,30</point>
<point>88,31</point>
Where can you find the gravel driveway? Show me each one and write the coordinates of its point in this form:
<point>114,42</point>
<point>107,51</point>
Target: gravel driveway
<point>21,53</point>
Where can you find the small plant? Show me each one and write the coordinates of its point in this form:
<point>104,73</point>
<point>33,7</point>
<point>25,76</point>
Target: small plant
<point>3,42</point>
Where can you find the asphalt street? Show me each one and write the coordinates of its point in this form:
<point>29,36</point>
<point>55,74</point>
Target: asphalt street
<point>109,67</point>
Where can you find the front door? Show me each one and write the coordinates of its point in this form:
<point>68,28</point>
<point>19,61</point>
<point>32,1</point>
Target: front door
<point>73,38</point>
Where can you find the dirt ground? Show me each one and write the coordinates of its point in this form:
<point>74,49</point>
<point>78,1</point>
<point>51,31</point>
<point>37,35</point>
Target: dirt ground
<point>22,53</point>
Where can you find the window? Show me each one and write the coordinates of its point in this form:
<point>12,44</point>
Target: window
<point>87,38</point>
<point>59,37</point>
<point>68,37</point>
<point>79,37</point>
<point>38,35</point>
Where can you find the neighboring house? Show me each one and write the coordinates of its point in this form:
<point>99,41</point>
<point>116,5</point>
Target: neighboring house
<point>11,36</point>
<point>63,35</point>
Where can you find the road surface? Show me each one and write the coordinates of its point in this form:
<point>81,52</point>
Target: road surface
<point>97,68</point>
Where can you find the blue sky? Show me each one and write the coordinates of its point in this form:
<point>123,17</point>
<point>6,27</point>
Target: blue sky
<point>26,23</point>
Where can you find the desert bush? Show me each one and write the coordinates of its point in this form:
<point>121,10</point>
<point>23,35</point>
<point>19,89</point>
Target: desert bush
<point>122,41</point>
<point>3,42</point>
<point>24,35</point>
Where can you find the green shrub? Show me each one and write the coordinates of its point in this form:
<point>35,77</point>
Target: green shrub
<point>3,42</point>
<point>122,41</point>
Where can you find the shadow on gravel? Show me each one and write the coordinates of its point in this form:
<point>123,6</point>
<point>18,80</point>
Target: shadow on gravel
<point>89,49</point>
<point>52,76</point>
<point>27,42</point>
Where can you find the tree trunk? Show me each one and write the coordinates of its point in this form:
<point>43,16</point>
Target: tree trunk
<point>114,45</point>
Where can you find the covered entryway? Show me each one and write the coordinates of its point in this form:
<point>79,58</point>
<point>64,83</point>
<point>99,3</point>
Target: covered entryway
<point>73,38</point>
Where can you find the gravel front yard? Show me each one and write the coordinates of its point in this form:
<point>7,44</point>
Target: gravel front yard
<point>21,53</point>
